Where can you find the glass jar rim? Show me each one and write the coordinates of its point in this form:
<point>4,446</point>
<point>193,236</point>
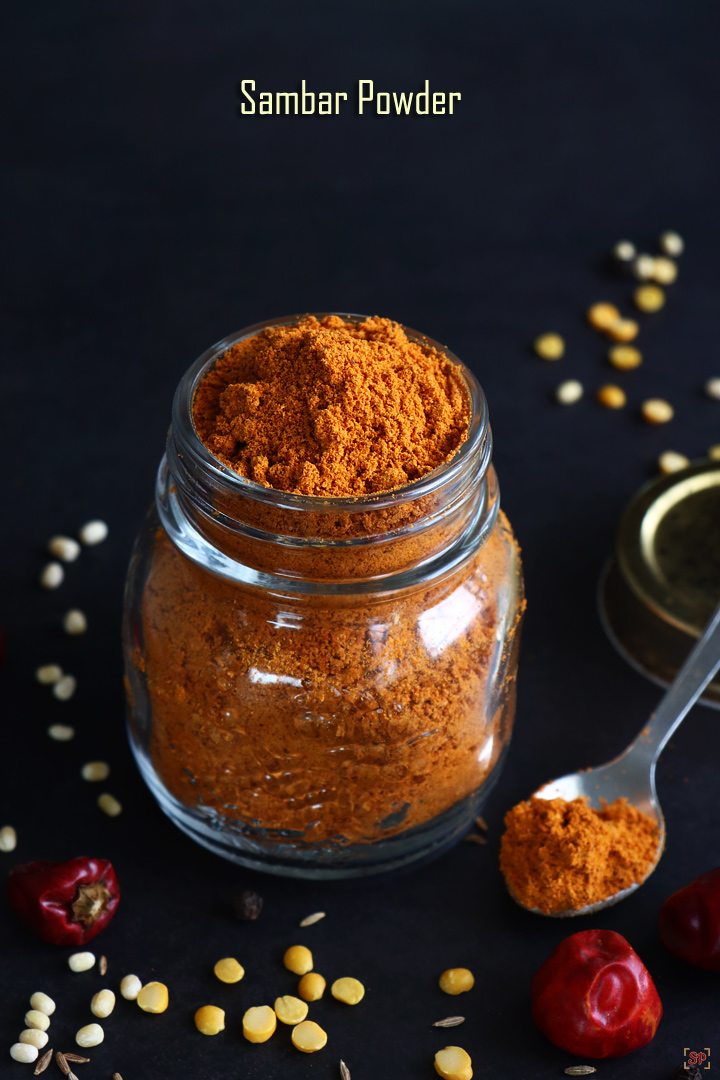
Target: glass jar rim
<point>478,437</point>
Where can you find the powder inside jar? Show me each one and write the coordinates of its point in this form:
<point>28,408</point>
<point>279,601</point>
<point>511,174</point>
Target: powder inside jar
<point>560,855</point>
<point>332,408</point>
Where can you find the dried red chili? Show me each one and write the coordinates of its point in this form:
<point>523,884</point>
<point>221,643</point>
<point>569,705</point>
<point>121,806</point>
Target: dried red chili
<point>689,922</point>
<point>594,997</point>
<point>64,903</point>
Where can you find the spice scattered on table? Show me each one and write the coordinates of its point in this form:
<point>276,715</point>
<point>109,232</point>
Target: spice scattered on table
<point>456,981</point>
<point>35,1018</point>
<point>349,990</point>
<point>52,576</point>
<point>65,687</point>
<point>153,997</point>
<point>712,388</point>
<point>298,959</point>
<point>312,986</point>
<point>624,330</point>
<point>23,1052</point>
<point>43,1003</point>
<point>649,298</point>
<point>611,396</point>
<point>602,316</point>
<point>248,905</point>
<point>449,1021</point>
<point>90,1035</point>
<point>657,411</point>
<point>102,1003</point>
<point>671,461</point>
<point>475,838</point>
<point>290,1010</point>
<point>643,267</point>
<point>130,987</point>
<point>210,1020</point>
<point>43,1062</point>
<point>93,532</point>
<point>8,838</point>
<point>64,903</point>
<point>580,1070</point>
<point>625,357</point>
<point>310,920</point>
<point>35,1037</point>
<point>61,732</point>
<point>453,1063</point>
<point>109,804</point>
<point>344,1071</point>
<point>259,1023</point>
<point>81,961</point>
<point>75,622</point>
<point>549,346</point>
<point>672,244</point>
<point>624,251</point>
<point>64,548</point>
<point>665,271</point>
<point>568,392</point>
<point>308,1037</point>
<point>229,970</point>
<point>92,771</point>
<point>594,997</point>
<point>48,674</point>
<point>560,856</point>
<point>102,965</point>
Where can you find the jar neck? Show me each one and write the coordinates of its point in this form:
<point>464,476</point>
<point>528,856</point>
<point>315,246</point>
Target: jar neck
<point>264,536</point>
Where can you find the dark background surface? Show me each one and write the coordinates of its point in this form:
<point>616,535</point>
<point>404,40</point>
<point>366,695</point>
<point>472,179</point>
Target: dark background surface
<point>144,220</point>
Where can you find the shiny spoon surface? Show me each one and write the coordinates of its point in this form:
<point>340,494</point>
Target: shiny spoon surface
<point>632,775</point>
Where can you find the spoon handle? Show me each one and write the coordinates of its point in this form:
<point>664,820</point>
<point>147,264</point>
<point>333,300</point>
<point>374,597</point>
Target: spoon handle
<point>700,666</point>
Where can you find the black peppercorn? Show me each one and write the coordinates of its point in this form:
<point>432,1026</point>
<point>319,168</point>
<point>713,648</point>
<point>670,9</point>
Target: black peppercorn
<point>247,904</point>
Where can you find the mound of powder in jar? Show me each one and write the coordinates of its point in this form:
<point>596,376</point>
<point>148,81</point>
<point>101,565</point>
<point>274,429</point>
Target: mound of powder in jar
<point>331,408</point>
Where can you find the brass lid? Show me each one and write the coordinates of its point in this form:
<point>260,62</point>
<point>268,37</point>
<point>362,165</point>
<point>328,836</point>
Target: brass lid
<point>664,582</point>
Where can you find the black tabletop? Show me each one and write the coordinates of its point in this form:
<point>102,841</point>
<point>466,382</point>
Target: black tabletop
<point>143,220</point>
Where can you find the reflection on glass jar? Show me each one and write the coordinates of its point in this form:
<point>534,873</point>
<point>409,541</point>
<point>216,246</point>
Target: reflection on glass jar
<point>322,687</point>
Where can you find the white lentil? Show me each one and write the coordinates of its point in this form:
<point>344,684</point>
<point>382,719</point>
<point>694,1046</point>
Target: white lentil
<point>52,576</point>
<point>64,548</point>
<point>102,1003</point>
<point>657,411</point>
<point>48,674</point>
<point>624,250</point>
<point>109,804</point>
<point>569,392</point>
<point>90,1035</point>
<point>8,838</point>
<point>23,1052</point>
<point>130,987</point>
<point>75,621</point>
<point>81,961</point>
<point>93,532</point>
<point>61,732</point>
<point>643,267</point>
<point>714,452</point>
<point>670,461</point>
<point>712,388</point>
<point>549,346</point>
<point>64,688</point>
<point>664,270</point>
<point>42,1003</point>
<point>34,1037</point>
<point>95,770</point>
<point>672,244</point>
<point>36,1019</point>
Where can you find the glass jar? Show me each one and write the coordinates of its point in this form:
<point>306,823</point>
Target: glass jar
<point>322,687</point>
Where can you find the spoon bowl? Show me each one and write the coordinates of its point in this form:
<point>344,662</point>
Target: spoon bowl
<point>631,776</point>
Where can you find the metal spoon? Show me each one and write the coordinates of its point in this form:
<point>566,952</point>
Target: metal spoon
<point>632,775</point>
